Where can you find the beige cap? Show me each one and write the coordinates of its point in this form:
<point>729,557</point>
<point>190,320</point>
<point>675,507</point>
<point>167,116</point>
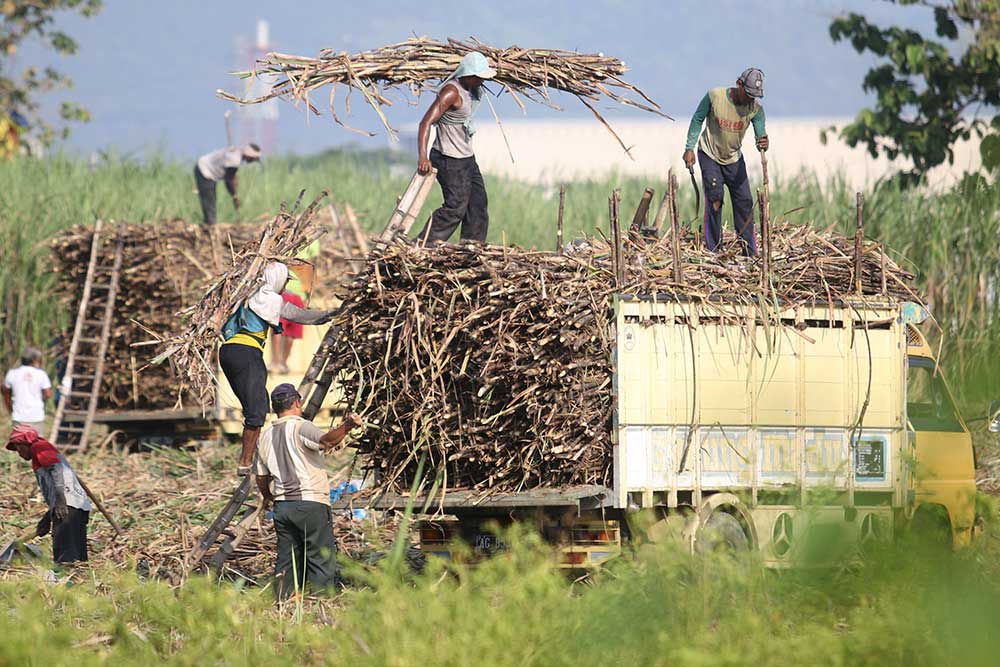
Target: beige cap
<point>251,151</point>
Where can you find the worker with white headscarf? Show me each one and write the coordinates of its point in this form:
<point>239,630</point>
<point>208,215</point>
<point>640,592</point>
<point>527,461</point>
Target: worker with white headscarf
<point>242,354</point>
<point>465,201</point>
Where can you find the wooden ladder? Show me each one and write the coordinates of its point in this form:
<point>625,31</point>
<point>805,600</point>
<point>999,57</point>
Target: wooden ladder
<point>89,346</point>
<point>314,386</point>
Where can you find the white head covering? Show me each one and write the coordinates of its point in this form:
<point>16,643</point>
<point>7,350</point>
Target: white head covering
<point>267,301</point>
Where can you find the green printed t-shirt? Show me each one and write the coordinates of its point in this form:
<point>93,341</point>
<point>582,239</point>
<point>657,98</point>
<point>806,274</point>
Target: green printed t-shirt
<point>725,125</point>
<point>309,253</point>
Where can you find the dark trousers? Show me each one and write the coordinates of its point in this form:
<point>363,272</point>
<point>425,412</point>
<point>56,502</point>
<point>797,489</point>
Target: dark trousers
<point>206,195</point>
<point>306,548</point>
<point>69,537</point>
<point>465,200</point>
<point>733,176</point>
<point>244,367</point>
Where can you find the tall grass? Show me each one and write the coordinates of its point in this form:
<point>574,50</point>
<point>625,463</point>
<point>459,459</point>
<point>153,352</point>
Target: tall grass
<point>904,606</point>
<point>951,239</point>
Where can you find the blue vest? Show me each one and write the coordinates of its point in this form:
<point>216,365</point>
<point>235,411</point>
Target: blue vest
<point>246,320</point>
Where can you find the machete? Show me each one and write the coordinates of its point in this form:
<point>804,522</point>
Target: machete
<point>697,192</point>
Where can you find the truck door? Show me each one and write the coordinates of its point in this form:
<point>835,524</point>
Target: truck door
<point>944,475</point>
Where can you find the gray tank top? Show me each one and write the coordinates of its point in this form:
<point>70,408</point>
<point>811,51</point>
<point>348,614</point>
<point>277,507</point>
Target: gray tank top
<point>452,138</point>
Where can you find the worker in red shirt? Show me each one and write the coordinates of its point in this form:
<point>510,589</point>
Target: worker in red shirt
<point>69,506</point>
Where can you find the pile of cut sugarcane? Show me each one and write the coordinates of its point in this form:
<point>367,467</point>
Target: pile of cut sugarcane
<point>166,267</point>
<point>494,363</point>
<point>416,62</point>
<point>191,346</point>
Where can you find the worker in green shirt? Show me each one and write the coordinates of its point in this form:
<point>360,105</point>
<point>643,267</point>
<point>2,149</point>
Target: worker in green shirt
<point>729,112</point>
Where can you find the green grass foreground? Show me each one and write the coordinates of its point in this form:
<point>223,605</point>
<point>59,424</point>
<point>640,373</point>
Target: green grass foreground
<point>904,606</point>
<point>949,239</point>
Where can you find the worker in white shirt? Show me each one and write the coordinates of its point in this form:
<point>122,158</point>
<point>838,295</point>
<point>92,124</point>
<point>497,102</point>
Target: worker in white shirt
<point>221,165</point>
<point>25,390</point>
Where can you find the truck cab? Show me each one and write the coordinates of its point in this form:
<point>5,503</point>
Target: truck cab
<point>942,495</point>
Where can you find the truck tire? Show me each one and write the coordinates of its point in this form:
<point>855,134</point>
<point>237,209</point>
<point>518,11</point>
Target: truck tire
<point>931,527</point>
<point>722,533</point>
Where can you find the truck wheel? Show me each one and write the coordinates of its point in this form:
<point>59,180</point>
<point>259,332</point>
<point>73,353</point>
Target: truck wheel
<point>931,526</point>
<point>722,533</point>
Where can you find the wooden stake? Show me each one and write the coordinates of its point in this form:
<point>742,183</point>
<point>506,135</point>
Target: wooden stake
<point>764,204</point>
<point>885,289</point>
<point>675,227</point>
<point>559,223</point>
<point>765,240</point>
<point>616,237</point>
<point>641,212</point>
<point>661,214</point>
<point>859,233</point>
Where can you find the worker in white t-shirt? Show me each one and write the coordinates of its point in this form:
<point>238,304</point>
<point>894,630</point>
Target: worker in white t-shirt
<point>25,390</point>
<point>221,165</point>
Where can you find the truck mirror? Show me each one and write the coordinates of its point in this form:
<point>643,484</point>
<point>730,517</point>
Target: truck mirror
<point>994,417</point>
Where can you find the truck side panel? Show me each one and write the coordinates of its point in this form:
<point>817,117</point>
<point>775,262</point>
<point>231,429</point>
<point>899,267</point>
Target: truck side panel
<point>706,402</point>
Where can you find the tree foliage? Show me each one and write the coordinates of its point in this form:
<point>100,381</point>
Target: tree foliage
<point>930,92</point>
<point>24,20</point>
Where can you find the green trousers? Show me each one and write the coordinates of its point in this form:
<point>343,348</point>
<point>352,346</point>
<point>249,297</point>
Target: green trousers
<point>306,548</point>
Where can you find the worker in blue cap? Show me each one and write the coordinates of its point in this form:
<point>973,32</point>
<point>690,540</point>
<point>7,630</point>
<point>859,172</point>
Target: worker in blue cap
<point>465,201</point>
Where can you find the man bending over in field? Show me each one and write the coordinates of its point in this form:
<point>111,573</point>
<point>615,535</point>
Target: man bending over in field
<point>291,457</point>
<point>462,185</point>
<point>69,506</point>
<point>729,112</point>
<point>221,165</point>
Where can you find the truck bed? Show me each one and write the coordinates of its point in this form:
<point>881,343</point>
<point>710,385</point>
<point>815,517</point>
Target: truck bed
<point>583,497</point>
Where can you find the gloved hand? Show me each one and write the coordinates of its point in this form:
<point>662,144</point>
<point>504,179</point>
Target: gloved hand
<point>763,143</point>
<point>42,528</point>
<point>326,317</point>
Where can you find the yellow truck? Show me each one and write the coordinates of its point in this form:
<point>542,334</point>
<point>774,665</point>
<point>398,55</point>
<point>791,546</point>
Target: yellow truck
<point>800,434</point>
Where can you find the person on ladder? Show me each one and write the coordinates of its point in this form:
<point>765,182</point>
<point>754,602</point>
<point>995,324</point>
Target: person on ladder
<point>729,112</point>
<point>242,354</point>
<point>465,200</point>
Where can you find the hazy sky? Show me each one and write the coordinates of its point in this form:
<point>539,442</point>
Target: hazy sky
<point>148,70</point>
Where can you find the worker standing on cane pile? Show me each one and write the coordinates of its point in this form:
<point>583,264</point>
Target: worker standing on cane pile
<point>291,458</point>
<point>729,112</point>
<point>69,507</point>
<point>465,200</point>
<point>25,390</point>
<point>242,353</point>
<point>221,165</point>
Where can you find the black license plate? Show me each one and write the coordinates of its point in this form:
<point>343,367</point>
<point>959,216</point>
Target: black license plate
<point>489,544</point>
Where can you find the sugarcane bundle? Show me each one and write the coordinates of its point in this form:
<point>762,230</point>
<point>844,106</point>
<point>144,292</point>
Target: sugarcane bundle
<point>494,363</point>
<point>417,62</point>
<point>166,267</point>
<point>191,350</point>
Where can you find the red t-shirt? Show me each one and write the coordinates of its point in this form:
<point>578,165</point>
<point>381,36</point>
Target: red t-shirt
<point>43,455</point>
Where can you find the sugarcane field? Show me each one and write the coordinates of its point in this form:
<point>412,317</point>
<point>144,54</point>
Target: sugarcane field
<point>614,368</point>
